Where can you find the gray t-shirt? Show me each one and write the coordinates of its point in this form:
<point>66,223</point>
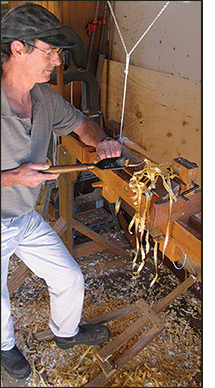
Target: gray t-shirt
<point>25,141</point>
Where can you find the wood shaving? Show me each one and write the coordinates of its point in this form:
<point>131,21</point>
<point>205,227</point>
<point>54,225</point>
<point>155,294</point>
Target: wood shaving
<point>170,360</point>
<point>142,183</point>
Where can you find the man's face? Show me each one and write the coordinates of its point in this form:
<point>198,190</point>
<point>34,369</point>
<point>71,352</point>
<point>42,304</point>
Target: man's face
<point>39,64</point>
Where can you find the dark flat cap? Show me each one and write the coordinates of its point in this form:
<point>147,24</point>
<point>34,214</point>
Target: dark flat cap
<point>32,21</point>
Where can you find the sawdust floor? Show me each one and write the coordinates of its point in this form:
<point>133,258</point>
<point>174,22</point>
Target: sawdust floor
<point>173,359</point>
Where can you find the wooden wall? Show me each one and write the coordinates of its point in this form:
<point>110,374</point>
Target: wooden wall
<point>162,112</point>
<point>76,14</point>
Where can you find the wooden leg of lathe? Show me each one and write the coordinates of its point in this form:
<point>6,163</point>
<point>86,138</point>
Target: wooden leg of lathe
<point>66,197</point>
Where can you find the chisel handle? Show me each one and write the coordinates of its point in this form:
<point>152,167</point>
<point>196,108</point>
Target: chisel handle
<point>69,168</point>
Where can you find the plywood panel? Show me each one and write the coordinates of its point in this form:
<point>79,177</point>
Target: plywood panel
<point>172,46</point>
<point>162,112</point>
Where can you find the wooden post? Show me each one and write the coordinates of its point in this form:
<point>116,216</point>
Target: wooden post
<point>66,197</point>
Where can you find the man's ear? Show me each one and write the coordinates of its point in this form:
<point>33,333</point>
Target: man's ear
<point>17,48</point>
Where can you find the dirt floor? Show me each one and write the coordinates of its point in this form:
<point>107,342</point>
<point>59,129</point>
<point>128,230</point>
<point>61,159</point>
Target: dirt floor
<point>173,359</point>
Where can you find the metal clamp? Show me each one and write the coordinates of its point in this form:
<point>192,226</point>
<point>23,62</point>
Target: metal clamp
<point>183,195</point>
<point>122,139</point>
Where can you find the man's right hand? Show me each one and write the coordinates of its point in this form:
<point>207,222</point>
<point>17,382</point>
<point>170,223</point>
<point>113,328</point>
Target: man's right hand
<point>27,175</point>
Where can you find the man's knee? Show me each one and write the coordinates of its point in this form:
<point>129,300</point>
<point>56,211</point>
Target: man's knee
<point>73,279</point>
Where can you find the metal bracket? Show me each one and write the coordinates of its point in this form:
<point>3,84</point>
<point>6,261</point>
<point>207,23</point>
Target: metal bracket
<point>183,195</point>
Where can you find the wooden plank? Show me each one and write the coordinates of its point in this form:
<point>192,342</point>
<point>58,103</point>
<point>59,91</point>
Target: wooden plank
<point>86,248</point>
<point>114,314</point>
<point>187,241</point>
<point>100,68</point>
<point>183,238</point>
<point>121,339</point>
<point>156,103</point>
<point>190,226</point>
<point>149,312</point>
<point>186,175</point>
<point>45,335</point>
<point>159,211</point>
<point>118,182</point>
<point>172,251</point>
<point>109,194</point>
<point>144,340</point>
<point>85,154</point>
<point>106,366</point>
<point>60,226</point>
<point>130,331</point>
<point>99,239</point>
<point>66,196</point>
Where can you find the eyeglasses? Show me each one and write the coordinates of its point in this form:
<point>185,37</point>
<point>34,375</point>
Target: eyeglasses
<point>48,53</point>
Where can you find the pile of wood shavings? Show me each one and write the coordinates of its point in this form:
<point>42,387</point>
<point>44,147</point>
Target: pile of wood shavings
<point>170,360</point>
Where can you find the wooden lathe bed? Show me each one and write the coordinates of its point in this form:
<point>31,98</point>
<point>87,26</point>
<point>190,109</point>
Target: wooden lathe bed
<point>185,225</point>
<point>184,237</point>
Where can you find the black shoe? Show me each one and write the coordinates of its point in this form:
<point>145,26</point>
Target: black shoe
<point>88,335</point>
<point>15,363</point>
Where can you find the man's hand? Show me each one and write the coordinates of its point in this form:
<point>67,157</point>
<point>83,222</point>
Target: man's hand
<point>108,148</point>
<point>92,134</point>
<point>27,175</point>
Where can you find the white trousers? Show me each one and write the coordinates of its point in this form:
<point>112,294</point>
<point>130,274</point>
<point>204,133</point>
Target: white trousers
<point>41,249</point>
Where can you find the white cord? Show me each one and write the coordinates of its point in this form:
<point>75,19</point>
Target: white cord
<point>129,54</point>
<point>124,93</point>
<point>117,27</point>
<point>185,259</point>
<point>149,27</point>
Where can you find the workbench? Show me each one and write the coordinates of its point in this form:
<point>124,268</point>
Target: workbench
<point>184,237</point>
<point>185,227</point>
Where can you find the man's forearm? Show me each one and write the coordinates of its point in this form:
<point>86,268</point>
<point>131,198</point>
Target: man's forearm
<point>90,132</point>
<point>30,174</point>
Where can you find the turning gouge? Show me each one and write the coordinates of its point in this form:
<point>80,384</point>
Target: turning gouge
<point>104,164</point>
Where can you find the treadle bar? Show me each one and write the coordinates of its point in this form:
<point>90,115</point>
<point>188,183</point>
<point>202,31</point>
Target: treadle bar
<point>149,312</point>
<point>143,341</point>
<point>129,332</point>
<point>108,369</point>
<point>157,308</point>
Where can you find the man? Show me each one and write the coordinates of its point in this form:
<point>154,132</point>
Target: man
<point>31,41</point>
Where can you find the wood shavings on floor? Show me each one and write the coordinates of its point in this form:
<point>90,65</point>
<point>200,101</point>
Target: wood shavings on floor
<point>173,359</point>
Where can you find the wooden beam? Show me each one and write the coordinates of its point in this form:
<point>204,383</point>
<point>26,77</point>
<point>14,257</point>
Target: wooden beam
<point>100,239</point>
<point>85,154</point>
<point>187,241</point>
<point>66,196</point>
<point>159,211</point>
